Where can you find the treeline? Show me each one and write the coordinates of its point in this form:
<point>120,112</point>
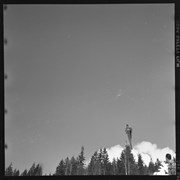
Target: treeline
<point>99,165</point>
<point>35,170</point>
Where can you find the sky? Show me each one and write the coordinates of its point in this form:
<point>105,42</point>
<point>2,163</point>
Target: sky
<point>77,74</point>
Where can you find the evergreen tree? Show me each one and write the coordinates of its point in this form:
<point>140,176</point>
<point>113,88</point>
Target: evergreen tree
<point>31,170</point>
<point>105,164</point>
<point>94,165</point>
<point>60,169</point>
<point>140,165</point>
<point>35,170</point>
<point>74,165</point>
<point>145,170</point>
<point>157,165</point>
<point>133,167</point>
<point>130,164</point>
<point>38,170</point>
<point>9,170</point>
<point>100,162</point>
<point>151,168</point>
<point>67,166</point>
<point>16,172</point>
<point>81,160</point>
<point>91,166</point>
<point>114,170</point>
<point>121,164</point>
<point>24,173</point>
<point>86,170</point>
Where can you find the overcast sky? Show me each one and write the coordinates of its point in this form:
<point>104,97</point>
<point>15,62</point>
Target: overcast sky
<point>77,74</point>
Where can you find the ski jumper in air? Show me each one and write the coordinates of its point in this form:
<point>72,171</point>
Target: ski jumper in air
<point>128,131</point>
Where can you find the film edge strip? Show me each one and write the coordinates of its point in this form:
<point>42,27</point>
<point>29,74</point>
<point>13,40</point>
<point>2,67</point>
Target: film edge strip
<point>177,73</point>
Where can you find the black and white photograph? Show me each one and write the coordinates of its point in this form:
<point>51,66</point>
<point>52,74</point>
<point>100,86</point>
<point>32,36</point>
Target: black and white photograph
<point>89,89</point>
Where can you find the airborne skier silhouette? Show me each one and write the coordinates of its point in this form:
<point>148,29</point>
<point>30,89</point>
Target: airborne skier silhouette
<point>128,131</point>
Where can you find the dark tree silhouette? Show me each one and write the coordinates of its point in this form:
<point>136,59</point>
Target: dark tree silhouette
<point>16,172</point>
<point>67,166</point>
<point>35,170</point>
<point>74,165</point>
<point>114,168</point>
<point>157,165</point>
<point>121,163</point>
<point>140,165</point>
<point>131,167</point>
<point>105,164</point>
<point>81,161</point>
<point>60,169</point>
<point>9,170</point>
<point>151,168</point>
<point>94,166</point>
<point>24,173</point>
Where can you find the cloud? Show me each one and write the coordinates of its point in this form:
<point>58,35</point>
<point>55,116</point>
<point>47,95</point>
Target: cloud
<point>114,152</point>
<point>147,150</point>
